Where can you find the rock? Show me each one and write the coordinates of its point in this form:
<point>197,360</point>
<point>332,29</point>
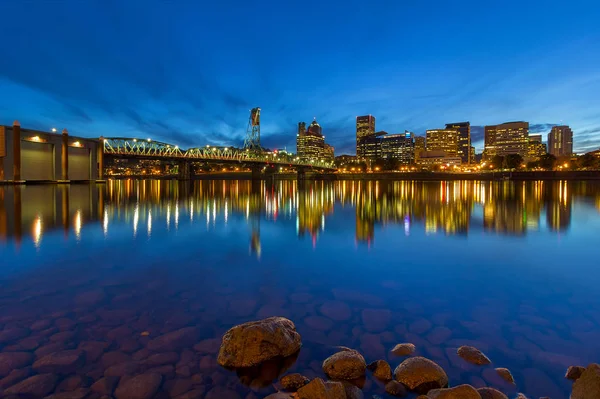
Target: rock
<point>9,335</point>
<point>13,360</point>
<point>174,340</point>
<point>395,388</point>
<point>142,386</point>
<point>521,396</point>
<point>588,385</point>
<point>122,369</point>
<point>40,325</point>
<point>90,298</point>
<point>208,346</point>
<point>219,392</point>
<point>458,392</point>
<point>573,372</point>
<point>159,359</point>
<point>336,310</point>
<point>352,391</point>
<point>421,375</point>
<point>50,348</point>
<point>403,349</point>
<point>37,386</point>
<point>279,395</point>
<point>73,382</point>
<point>505,374</point>
<point>318,389</point>
<point>293,382</point>
<point>251,343</point>
<point>473,355</point>
<point>63,362</point>
<point>178,386</point>
<point>537,383</point>
<point>491,393</point>
<point>78,393</point>
<point>93,349</point>
<point>319,323</point>
<point>13,377</point>
<point>345,365</point>
<point>63,336</point>
<point>439,335</point>
<point>197,393</point>
<point>376,320</point>
<point>381,370</point>
<point>419,326</point>
<point>105,385</point>
<point>114,357</point>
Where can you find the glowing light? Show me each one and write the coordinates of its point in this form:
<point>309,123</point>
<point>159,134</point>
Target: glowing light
<point>77,225</point>
<point>136,218</point>
<point>53,130</point>
<point>37,231</point>
<point>77,144</point>
<point>36,138</point>
<point>105,223</point>
<point>176,215</point>
<point>135,140</point>
<point>149,223</point>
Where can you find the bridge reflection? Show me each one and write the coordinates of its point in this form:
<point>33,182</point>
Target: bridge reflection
<point>450,208</point>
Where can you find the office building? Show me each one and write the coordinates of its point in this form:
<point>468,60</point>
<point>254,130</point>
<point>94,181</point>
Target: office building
<point>310,144</point>
<point>560,141</point>
<point>429,159</point>
<point>464,140</point>
<point>365,126</point>
<point>399,147</point>
<point>537,148</point>
<point>445,140</point>
<point>419,146</point>
<point>507,139</point>
<point>370,147</point>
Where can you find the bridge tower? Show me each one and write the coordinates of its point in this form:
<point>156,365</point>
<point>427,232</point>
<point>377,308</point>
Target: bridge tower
<point>252,141</point>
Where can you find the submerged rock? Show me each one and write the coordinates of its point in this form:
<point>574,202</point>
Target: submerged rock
<point>336,310</point>
<point>421,375</point>
<point>505,374</point>
<point>174,340</point>
<point>318,389</point>
<point>254,342</point>
<point>142,386</point>
<point>403,349</point>
<point>37,386</point>
<point>381,370</point>
<point>588,385</point>
<point>491,393</point>
<point>293,382</point>
<point>63,362</point>
<point>473,355</point>
<point>345,365</point>
<point>574,372</point>
<point>395,388</point>
<point>10,361</point>
<point>458,392</point>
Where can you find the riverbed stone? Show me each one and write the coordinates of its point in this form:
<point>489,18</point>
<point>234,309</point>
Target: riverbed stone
<point>421,375</point>
<point>505,374</point>
<point>395,388</point>
<point>404,349</point>
<point>458,392</point>
<point>419,326</point>
<point>318,389</point>
<point>78,393</point>
<point>208,346</point>
<point>9,335</point>
<point>574,372</point>
<point>122,369</point>
<point>36,386</point>
<point>142,386</point>
<point>473,355</point>
<point>587,385</point>
<point>439,335</point>
<point>254,342</point>
<point>159,359</point>
<point>376,320</point>
<point>352,391</point>
<point>105,385</point>
<point>174,340</point>
<point>319,323</point>
<point>13,360</point>
<point>345,365</point>
<point>336,310</point>
<point>381,370</point>
<point>293,382</point>
<point>14,376</point>
<point>491,393</point>
<point>220,392</point>
<point>63,362</point>
<point>93,349</point>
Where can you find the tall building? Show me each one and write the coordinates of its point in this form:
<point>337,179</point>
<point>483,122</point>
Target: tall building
<point>419,146</point>
<point>398,146</point>
<point>560,141</point>
<point>365,126</point>
<point>310,144</point>
<point>536,148</point>
<point>506,139</point>
<point>464,140</point>
<point>370,146</point>
<point>445,140</point>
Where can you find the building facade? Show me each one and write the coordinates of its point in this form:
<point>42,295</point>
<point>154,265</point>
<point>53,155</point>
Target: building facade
<point>32,155</point>
<point>445,140</point>
<point>507,139</point>
<point>537,148</point>
<point>310,144</point>
<point>400,147</point>
<point>560,141</point>
<point>464,140</point>
<point>365,127</point>
<point>419,146</point>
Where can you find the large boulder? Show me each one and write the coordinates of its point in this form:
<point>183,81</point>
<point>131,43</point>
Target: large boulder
<point>491,393</point>
<point>345,365</point>
<point>318,389</point>
<point>13,360</point>
<point>421,375</point>
<point>293,382</point>
<point>473,355</point>
<point>254,342</point>
<point>588,385</point>
<point>458,392</point>
<point>142,386</point>
<point>574,372</point>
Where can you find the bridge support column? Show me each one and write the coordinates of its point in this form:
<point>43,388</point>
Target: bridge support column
<point>184,170</point>
<point>256,173</point>
<point>100,158</point>
<point>16,151</point>
<point>64,155</point>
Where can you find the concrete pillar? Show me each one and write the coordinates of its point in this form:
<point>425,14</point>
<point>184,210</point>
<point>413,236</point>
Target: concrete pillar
<point>301,174</point>
<point>184,170</point>
<point>100,157</point>
<point>16,150</point>
<point>64,155</point>
<point>256,175</point>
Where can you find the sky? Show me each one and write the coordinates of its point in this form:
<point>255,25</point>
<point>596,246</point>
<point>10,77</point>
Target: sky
<point>188,72</point>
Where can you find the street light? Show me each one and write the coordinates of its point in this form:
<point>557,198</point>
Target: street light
<point>53,130</point>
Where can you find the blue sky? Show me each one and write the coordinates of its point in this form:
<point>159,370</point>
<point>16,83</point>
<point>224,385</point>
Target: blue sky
<point>187,72</point>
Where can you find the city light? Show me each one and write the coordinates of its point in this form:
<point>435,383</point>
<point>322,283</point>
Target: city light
<point>53,130</point>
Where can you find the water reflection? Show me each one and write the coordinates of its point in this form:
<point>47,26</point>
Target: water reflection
<point>450,208</point>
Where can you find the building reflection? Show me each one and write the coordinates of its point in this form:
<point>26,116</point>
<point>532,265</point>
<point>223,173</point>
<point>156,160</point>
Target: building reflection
<point>450,208</point>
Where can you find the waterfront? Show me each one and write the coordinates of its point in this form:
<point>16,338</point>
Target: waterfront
<point>506,266</point>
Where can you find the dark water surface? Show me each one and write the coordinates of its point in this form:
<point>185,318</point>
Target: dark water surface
<point>509,267</point>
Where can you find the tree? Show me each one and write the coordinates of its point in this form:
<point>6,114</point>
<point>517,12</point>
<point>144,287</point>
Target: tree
<point>588,161</point>
<point>547,161</point>
<point>513,161</point>
<point>391,164</point>
<point>497,162</point>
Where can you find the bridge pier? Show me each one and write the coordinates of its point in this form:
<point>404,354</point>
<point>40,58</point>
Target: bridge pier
<point>184,170</point>
<point>256,172</point>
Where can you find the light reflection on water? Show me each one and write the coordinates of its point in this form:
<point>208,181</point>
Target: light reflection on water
<point>506,264</point>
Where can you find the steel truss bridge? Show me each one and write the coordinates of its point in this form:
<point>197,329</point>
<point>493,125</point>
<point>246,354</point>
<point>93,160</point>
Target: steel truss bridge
<point>138,148</point>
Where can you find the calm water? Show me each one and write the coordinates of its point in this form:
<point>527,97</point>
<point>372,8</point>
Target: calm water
<point>509,267</point>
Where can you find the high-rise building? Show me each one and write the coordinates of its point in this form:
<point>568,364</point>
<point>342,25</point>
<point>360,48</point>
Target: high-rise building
<point>506,139</point>
<point>445,140</point>
<point>464,140</point>
<point>419,146</point>
<point>365,126</point>
<point>310,144</point>
<point>398,146</point>
<point>536,148</point>
<point>560,141</point>
<point>370,146</point>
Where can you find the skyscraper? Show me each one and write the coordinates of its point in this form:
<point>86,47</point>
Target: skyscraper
<point>419,146</point>
<point>399,147</point>
<point>560,141</point>
<point>310,144</point>
<point>445,140</point>
<point>464,140</point>
<point>365,126</point>
<point>506,139</point>
<point>537,149</point>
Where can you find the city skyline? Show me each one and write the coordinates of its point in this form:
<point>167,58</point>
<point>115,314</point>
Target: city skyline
<point>156,73</point>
